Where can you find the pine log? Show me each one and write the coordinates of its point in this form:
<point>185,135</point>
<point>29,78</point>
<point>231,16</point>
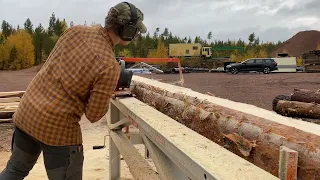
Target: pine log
<point>298,109</point>
<point>277,99</point>
<point>253,138</point>
<point>304,95</point>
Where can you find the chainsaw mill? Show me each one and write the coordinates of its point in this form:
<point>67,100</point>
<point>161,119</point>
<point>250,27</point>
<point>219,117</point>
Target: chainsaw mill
<point>123,85</point>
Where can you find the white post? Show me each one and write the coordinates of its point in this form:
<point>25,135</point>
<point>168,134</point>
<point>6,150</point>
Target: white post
<point>114,154</point>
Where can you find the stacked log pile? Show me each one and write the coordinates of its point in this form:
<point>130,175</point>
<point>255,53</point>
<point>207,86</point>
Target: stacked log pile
<point>9,102</point>
<point>236,126</point>
<point>302,103</point>
<point>312,61</point>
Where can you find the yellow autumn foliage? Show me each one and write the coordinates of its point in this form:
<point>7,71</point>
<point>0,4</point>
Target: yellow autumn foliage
<point>299,61</point>
<point>238,57</point>
<point>160,52</point>
<point>4,55</point>
<point>22,41</point>
<point>262,54</point>
<point>318,47</point>
<point>125,53</point>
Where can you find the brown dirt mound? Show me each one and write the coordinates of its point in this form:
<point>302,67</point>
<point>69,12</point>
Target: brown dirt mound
<point>302,42</point>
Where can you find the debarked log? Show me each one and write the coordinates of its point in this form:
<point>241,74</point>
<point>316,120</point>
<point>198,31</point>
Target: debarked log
<point>253,138</point>
<point>298,109</point>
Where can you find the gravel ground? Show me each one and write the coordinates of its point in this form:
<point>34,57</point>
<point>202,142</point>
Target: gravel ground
<point>13,81</point>
<point>251,88</point>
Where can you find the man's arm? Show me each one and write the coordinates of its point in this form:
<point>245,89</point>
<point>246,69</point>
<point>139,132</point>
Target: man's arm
<point>101,92</point>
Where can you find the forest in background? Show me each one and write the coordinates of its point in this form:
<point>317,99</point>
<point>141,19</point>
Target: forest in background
<point>24,47</point>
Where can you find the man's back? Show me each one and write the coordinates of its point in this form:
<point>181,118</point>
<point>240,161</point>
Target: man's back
<point>78,77</point>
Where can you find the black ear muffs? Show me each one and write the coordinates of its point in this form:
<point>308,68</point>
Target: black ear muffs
<point>129,30</point>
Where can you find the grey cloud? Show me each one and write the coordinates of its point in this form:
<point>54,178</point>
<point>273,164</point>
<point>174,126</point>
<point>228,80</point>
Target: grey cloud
<point>271,20</point>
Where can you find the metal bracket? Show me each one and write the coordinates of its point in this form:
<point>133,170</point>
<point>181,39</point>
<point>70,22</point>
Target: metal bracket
<point>120,124</point>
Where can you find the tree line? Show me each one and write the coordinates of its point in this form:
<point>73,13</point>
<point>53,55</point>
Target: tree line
<point>24,47</point>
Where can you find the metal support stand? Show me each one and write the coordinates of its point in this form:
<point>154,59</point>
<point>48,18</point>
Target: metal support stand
<point>114,154</point>
<point>160,160</point>
<point>173,156</point>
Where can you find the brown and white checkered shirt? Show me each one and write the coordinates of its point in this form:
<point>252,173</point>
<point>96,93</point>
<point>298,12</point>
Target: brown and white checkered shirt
<point>78,77</point>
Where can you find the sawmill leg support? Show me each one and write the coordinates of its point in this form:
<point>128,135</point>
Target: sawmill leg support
<point>114,154</point>
<point>288,164</point>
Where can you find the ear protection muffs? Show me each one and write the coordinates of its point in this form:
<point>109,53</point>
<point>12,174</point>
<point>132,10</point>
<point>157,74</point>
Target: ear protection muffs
<point>129,30</point>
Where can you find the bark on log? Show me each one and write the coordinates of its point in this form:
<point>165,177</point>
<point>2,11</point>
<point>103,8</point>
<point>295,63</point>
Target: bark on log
<point>298,109</point>
<point>304,95</point>
<point>255,139</point>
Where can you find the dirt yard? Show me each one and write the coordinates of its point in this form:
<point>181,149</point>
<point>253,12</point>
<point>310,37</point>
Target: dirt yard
<point>256,89</point>
<point>250,88</point>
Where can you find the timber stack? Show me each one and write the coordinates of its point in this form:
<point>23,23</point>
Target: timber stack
<point>302,103</point>
<point>253,133</point>
<point>312,61</point>
<point>9,102</point>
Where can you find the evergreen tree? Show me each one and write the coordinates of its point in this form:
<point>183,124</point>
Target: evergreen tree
<point>52,24</point>
<point>28,26</point>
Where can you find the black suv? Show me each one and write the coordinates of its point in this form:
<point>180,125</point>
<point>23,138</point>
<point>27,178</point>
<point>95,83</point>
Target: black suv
<point>265,65</point>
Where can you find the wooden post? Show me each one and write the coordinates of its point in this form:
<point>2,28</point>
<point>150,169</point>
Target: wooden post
<point>288,165</point>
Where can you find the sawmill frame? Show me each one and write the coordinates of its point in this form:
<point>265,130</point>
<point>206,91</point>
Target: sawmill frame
<point>167,141</point>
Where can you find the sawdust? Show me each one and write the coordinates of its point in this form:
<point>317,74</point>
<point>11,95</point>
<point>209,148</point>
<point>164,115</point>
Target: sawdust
<point>96,162</point>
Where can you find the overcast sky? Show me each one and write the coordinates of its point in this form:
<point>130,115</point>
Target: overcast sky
<point>271,20</point>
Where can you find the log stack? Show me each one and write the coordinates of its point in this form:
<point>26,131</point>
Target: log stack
<point>312,61</point>
<point>253,133</point>
<point>302,103</point>
<point>9,102</point>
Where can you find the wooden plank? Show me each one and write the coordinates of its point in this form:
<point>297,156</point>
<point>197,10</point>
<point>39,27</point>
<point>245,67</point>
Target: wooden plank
<point>288,164</point>
<point>177,138</point>
<point>11,94</point>
<point>8,100</point>
<point>138,166</point>
<point>10,104</point>
<point>9,107</point>
<point>6,121</point>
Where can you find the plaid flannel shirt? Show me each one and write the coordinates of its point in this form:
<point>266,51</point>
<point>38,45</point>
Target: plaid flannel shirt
<point>78,78</point>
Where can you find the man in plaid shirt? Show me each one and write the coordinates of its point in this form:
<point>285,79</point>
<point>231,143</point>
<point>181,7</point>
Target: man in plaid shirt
<point>78,78</point>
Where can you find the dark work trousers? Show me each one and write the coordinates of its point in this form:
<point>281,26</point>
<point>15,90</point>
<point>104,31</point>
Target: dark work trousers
<point>61,162</point>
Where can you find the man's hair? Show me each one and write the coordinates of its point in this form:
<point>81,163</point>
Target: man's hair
<point>112,21</point>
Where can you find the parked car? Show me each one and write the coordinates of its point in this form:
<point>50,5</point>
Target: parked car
<point>265,65</point>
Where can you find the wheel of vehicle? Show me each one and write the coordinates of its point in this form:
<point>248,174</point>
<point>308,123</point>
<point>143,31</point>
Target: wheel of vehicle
<point>234,70</point>
<point>266,70</point>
